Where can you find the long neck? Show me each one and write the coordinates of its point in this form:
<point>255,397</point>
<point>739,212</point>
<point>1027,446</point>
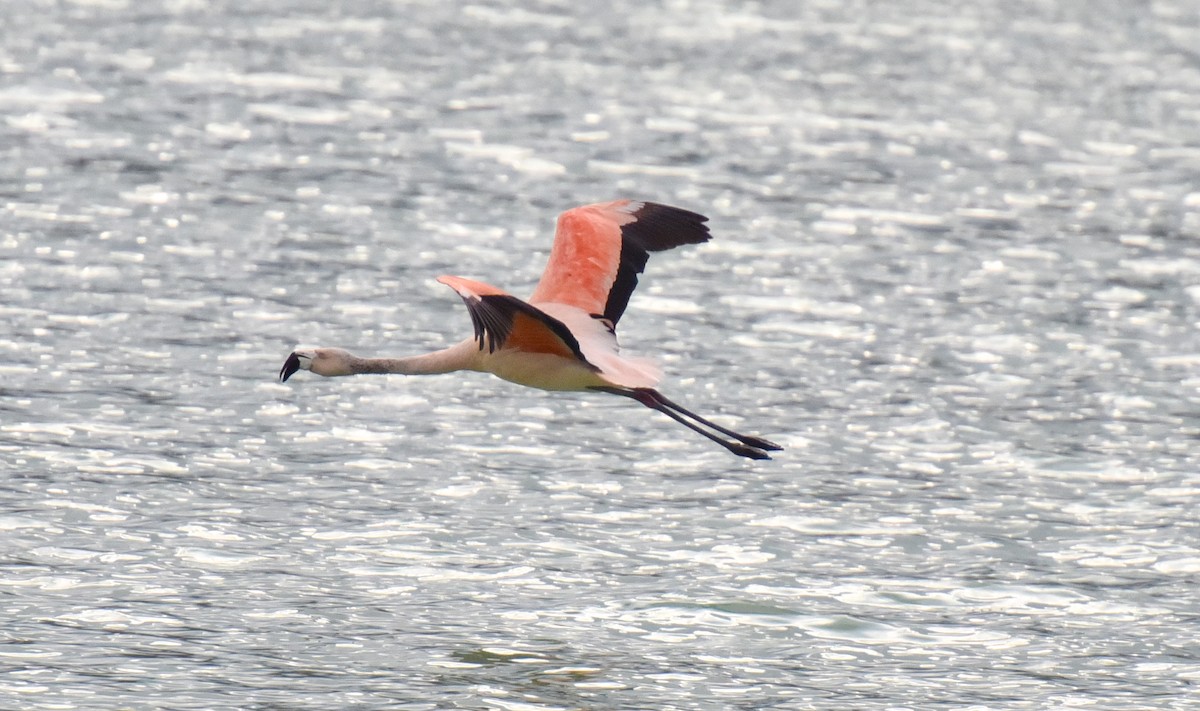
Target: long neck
<point>446,360</point>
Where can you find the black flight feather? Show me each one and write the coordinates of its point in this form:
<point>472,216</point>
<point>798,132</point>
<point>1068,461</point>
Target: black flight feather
<point>657,228</point>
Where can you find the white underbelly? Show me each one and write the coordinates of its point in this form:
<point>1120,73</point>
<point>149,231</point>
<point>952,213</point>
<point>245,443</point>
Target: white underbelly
<point>542,370</point>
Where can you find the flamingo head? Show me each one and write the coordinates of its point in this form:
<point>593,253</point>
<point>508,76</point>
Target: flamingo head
<point>322,361</point>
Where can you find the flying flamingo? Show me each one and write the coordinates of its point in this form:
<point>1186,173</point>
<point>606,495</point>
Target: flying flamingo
<point>564,336</point>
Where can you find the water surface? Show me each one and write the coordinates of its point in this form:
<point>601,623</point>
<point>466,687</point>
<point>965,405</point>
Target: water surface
<point>955,273</point>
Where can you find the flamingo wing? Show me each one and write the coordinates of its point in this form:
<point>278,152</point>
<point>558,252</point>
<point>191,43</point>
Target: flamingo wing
<point>501,320</point>
<point>600,249</point>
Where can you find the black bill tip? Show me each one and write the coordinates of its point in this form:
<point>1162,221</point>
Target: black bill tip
<point>291,365</point>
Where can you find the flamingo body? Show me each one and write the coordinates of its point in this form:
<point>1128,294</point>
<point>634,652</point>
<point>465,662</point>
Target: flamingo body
<point>547,345</point>
<point>564,337</point>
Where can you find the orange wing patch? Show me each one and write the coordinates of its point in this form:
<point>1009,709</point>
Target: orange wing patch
<point>600,249</point>
<point>531,335</point>
<point>504,321</point>
<point>585,256</point>
<point>468,287</point>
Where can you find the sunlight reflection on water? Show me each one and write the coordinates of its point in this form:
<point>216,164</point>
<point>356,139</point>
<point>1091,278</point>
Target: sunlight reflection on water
<point>952,273</point>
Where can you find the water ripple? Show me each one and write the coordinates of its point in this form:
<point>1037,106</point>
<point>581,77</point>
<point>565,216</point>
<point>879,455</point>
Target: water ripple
<point>952,273</point>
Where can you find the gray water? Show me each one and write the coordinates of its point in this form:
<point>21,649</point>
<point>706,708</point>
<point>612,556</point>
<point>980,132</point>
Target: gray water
<point>955,272</point>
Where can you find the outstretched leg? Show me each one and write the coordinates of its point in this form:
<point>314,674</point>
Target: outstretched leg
<point>746,446</point>
<point>757,442</point>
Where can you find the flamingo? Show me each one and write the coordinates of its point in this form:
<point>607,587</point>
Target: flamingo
<point>564,337</point>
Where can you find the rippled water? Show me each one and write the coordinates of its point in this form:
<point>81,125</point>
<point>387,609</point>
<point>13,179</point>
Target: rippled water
<point>955,273</point>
